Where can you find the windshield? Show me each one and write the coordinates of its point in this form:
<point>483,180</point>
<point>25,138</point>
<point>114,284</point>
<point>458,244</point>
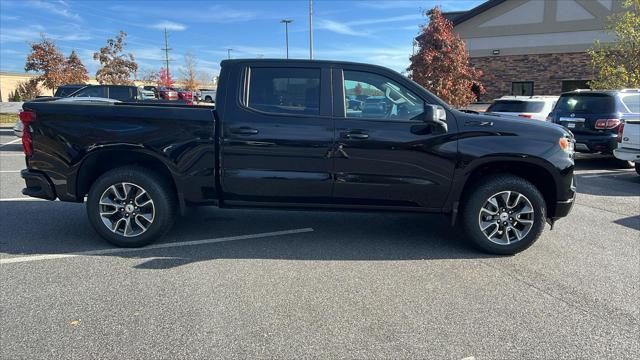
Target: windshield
<point>586,103</point>
<point>516,106</point>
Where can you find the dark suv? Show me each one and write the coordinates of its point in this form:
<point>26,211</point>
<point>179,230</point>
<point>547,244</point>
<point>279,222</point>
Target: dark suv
<point>594,117</point>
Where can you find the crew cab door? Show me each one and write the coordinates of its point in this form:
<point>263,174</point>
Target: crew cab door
<point>387,154</point>
<point>277,134</point>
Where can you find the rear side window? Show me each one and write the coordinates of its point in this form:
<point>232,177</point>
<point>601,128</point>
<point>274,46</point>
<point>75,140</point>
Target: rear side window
<point>92,91</point>
<point>586,104</point>
<point>632,102</point>
<point>65,91</point>
<point>284,90</point>
<point>120,93</point>
<point>516,106</point>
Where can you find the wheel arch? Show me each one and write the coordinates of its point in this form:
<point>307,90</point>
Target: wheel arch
<point>99,162</point>
<point>533,170</point>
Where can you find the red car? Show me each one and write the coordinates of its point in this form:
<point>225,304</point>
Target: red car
<point>167,93</point>
<point>184,94</point>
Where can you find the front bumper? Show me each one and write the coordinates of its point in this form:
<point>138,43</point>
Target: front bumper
<point>563,207</point>
<point>627,154</point>
<point>38,185</point>
<point>604,143</point>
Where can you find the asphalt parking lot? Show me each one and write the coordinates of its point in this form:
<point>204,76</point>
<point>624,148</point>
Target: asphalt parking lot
<point>265,284</point>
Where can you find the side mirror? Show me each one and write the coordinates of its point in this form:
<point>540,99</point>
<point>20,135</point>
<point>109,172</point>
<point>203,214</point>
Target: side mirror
<point>436,115</point>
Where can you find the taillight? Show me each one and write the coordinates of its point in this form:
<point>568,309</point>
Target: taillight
<point>27,117</point>
<point>525,116</point>
<point>620,131</point>
<point>607,123</point>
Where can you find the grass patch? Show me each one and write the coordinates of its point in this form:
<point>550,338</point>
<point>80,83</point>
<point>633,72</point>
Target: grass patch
<point>6,119</point>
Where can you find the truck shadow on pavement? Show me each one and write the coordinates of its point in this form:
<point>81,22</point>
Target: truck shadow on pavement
<point>608,181</point>
<point>60,228</point>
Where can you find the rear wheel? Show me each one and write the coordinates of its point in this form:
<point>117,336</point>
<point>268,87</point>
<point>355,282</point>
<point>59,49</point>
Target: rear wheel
<point>208,99</point>
<point>504,215</point>
<point>638,168</point>
<point>131,206</point>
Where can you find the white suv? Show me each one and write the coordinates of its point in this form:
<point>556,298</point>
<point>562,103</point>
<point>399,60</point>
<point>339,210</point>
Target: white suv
<point>530,107</point>
<point>629,140</point>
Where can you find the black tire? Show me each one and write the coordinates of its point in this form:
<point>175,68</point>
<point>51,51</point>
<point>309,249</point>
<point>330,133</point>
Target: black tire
<point>623,164</point>
<point>637,166</point>
<point>208,99</point>
<point>488,187</point>
<point>159,191</point>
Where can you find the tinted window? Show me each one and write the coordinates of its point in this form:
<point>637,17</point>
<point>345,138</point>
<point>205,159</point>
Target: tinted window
<point>516,106</point>
<point>285,90</point>
<point>122,93</point>
<point>91,91</point>
<point>66,91</point>
<point>632,102</point>
<point>373,96</point>
<point>585,104</point>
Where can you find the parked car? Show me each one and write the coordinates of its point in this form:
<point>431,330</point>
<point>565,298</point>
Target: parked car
<point>353,104</point>
<point>154,89</point>
<point>126,93</point>
<point>185,94</point>
<point>629,140</point>
<point>167,93</point>
<point>17,128</point>
<point>594,117</point>
<point>375,107</point>
<point>147,94</point>
<point>530,107</point>
<point>271,141</point>
<point>66,90</point>
<point>208,95</point>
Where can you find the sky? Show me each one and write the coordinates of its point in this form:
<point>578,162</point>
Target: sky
<point>376,32</point>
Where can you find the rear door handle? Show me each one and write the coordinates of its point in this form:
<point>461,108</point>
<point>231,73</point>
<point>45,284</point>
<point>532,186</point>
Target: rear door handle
<point>244,131</point>
<point>355,136</point>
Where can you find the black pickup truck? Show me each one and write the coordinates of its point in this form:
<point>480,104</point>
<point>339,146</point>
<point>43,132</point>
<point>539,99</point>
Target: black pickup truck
<point>281,136</point>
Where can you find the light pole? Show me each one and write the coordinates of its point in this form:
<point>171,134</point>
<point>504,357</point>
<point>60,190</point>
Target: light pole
<point>286,23</point>
<point>229,53</point>
<point>310,31</point>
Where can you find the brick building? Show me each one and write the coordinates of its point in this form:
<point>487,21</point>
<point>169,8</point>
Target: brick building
<point>533,47</point>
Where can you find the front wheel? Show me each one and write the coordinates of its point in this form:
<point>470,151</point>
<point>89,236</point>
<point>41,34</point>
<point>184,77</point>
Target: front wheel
<point>131,206</point>
<point>504,215</point>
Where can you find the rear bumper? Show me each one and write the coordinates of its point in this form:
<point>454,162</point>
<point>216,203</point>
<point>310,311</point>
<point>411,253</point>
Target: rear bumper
<point>604,143</point>
<point>627,154</point>
<point>38,185</point>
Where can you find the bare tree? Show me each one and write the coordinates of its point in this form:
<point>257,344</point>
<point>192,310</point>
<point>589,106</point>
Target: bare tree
<point>189,72</point>
<point>148,75</point>
<point>117,66</point>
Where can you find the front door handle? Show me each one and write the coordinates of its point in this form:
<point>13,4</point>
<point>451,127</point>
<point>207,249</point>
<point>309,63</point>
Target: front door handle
<point>244,131</point>
<point>355,136</point>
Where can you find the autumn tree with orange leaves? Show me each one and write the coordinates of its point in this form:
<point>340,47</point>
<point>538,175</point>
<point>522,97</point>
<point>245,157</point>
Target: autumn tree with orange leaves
<point>75,71</point>
<point>46,59</point>
<point>118,67</point>
<point>441,64</point>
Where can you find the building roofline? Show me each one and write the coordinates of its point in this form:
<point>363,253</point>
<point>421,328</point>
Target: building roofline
<point>476,11</point>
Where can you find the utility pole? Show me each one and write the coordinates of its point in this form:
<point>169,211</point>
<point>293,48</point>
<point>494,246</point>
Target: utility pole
<point>166,49</point>
<point>229,53</point>
<point>286,23</point>
<point>310,31</point>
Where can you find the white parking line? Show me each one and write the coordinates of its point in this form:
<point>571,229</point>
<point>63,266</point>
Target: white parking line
<point>152,247</point>
<point>10,142</point>
<point>9,171</point>
<point>21,199</point>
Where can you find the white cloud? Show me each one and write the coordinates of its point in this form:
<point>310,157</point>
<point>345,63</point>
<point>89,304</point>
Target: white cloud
<point>407,17</point>
<point>169,25</point>
<point>338,27</point>
<point>61,9</point>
